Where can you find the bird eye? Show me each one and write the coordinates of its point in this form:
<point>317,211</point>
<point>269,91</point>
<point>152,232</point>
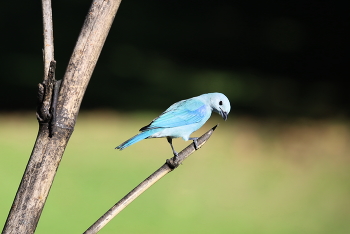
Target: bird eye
<point>220,103</point>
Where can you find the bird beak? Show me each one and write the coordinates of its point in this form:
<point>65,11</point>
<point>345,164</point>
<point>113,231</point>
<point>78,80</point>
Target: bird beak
<point>223,114</point>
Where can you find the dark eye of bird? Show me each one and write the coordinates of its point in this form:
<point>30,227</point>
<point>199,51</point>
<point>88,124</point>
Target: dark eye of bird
<point>220,103</point>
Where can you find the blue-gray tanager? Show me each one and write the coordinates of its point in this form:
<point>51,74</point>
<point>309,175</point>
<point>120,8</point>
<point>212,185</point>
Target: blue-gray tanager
<point>183,118</point>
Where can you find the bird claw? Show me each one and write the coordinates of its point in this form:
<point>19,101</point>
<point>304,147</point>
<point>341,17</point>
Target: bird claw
<point>172,163</point>
<point>195,143</point>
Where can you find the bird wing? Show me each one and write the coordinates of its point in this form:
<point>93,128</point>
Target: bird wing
<point>179,114</point>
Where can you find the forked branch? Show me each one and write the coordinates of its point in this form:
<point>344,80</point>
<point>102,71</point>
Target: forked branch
<point>60,103</point>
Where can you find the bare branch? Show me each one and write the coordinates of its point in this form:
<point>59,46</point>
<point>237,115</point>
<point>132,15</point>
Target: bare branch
<point>169,166</point>
<point>50,144</point>
<point>83,60</point>
<point>45,88</point>
<point>48,35</point>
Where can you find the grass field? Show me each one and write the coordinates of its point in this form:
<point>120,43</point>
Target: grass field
<point>252,176</point>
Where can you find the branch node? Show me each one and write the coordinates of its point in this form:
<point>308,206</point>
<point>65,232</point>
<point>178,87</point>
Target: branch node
<point>45,95</point>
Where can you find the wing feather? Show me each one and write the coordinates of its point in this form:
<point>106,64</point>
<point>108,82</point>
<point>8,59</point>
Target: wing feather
<point>181,113</point>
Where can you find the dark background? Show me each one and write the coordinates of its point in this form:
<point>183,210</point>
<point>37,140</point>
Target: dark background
<point>271,58</point>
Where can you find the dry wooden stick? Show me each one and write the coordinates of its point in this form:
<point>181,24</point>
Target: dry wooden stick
<point>55,131</point>
<point>48,35</point>
<point>169,166</point>
<point>46,87</point>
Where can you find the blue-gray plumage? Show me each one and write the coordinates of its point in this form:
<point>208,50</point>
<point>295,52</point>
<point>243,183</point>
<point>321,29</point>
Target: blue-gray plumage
<point>183,118</point>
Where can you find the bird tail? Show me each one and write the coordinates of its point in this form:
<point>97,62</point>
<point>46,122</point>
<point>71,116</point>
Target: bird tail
<point>137,138</point>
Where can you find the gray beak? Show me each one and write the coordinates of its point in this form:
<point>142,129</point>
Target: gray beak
<point>223,114</point>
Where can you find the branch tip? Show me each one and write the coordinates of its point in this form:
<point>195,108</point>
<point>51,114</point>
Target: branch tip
<point>169,166</point>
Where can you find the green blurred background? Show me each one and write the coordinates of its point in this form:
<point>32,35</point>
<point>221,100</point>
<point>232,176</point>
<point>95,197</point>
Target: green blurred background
<point>280,164</point>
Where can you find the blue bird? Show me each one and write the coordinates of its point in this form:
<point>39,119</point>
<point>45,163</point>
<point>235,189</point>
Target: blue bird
<point>183,118</point>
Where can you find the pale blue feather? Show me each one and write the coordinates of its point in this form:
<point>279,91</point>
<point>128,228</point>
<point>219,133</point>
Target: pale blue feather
<point>179,114</point>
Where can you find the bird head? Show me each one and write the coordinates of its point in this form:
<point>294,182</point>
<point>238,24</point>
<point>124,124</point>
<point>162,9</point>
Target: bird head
<point>220,104</point>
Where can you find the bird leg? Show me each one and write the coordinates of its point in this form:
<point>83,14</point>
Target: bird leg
<point>194,139</point>
<point>170,140</point>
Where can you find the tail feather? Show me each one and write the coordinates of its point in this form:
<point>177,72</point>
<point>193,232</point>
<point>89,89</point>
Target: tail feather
<point>137,138</point>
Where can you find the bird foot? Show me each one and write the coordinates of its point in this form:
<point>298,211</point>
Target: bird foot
<point>195,143</point>
<point>172,163</point>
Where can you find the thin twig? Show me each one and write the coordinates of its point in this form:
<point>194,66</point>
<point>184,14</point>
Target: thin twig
<point>45,88</point>
<point>48,49</point>
<point>152,179</point>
